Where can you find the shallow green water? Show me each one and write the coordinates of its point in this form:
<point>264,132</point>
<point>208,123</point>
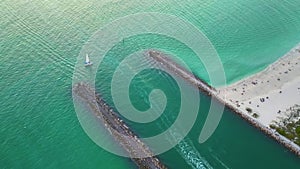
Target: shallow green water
<point>40,42</point>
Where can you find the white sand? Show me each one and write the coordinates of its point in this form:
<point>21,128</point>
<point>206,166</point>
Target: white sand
<point>270,92</point>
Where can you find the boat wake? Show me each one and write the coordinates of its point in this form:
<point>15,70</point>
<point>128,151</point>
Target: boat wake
<point>189,152</point>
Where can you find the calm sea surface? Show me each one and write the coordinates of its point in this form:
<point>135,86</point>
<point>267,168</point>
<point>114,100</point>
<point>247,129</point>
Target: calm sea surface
<point>40,43</point>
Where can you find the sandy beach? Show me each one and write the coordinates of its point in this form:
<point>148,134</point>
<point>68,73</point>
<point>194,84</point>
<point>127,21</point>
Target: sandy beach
<point>267,94</point>
<point>259,99</point>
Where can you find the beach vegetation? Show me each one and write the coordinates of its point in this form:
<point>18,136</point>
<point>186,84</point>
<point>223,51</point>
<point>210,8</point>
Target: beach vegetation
<point>298,130</point>
<point>297,142</point>
<point>249,110</point>
<point>272,126</point>
<point>289,125</point>
<point>255,115</point>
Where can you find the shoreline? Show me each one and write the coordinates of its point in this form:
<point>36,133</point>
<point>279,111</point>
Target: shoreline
<point>269,92</point>
<point>217,93</point>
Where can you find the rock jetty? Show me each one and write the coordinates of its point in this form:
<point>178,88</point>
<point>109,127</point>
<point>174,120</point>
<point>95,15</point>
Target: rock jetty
<point>120,131</point>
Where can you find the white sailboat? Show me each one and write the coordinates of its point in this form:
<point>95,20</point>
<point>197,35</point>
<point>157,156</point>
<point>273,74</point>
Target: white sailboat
<point>87,61</point>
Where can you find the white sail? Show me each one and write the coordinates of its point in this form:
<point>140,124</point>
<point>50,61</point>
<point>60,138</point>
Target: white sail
<point>87,59</point>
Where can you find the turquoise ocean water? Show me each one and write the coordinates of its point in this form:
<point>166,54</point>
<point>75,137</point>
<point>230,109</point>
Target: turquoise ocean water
<point>40,42</point>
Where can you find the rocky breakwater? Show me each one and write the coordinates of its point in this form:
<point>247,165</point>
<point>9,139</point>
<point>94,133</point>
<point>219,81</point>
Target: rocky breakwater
<point>211,91</point>
<point>120,131</point>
